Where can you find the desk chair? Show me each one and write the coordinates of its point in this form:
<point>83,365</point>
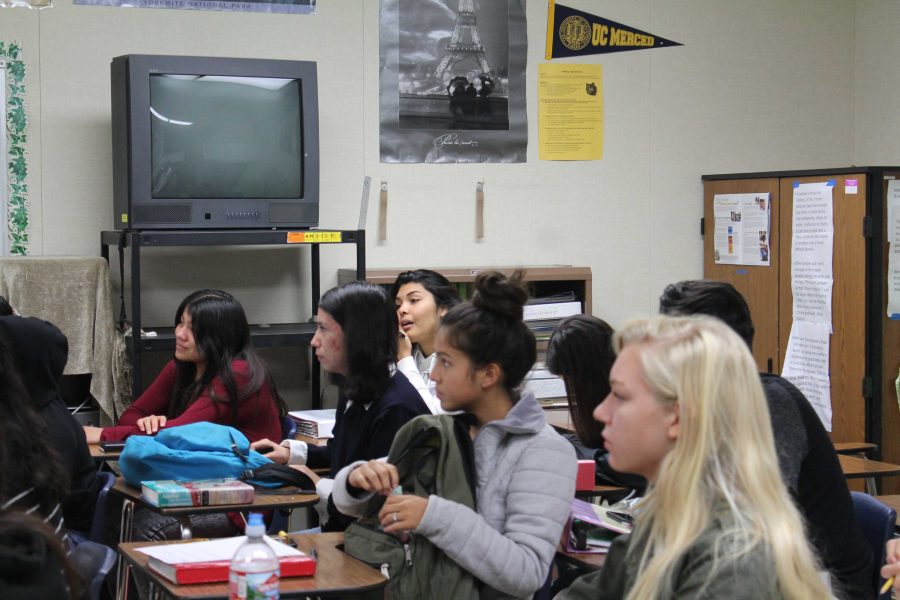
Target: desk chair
<point>877,521</point>
<point>288,428</point>
<point>281,517</point>
<point>107,480</point>
<point>94,562</point>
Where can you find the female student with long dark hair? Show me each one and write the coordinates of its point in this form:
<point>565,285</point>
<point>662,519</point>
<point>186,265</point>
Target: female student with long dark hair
<point>580,351</point>
<point>215,376</point>
<point>32,478</point>
<point>356,344</point>
<point>422,297</point>
<point>525,472</point>
<point>687,412</point>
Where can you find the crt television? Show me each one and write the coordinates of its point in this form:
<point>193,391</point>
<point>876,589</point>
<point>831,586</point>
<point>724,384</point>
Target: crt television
<point>214,143</point>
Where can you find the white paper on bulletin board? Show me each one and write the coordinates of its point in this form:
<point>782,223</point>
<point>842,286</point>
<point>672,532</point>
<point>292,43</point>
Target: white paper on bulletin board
<point>893,238</point>
<point>741,229</point>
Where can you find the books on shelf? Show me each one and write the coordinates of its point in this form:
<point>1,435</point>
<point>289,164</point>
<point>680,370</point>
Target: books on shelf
<point>204,492</point>
<point>541,311</point>
<point>314,423</point>
<point>544,385</point>
<point>208,561</point>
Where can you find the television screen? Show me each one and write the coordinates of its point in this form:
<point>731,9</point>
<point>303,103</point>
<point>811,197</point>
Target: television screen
<point>205,142</point>
<point>225,137</point>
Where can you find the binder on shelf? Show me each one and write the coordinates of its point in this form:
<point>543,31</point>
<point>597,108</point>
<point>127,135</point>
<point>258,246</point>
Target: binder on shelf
<point>314,423</point>
<point>208,562</point>
<point>541,310</point>
<point>204,492</point>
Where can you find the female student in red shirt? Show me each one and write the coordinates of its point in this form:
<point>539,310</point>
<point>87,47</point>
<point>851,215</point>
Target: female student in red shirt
<point>215,376</point>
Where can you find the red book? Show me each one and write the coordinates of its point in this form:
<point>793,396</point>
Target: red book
<point>217,570</point>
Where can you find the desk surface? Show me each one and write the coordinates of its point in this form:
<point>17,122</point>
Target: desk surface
<point>261,501</point>
<point>99,455</point>
<point>336,572</point>
<point>855,468</point>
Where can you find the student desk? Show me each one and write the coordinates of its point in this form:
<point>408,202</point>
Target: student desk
<point>132,495</point>
<point>99,455</point>
<point>260,502</point>
<point>337,573</point>
<point>587,561</point>
<point>855,467</point>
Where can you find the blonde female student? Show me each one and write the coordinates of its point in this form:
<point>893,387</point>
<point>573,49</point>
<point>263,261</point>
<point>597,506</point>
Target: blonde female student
<point>687,412</point>
<point>525,471</point>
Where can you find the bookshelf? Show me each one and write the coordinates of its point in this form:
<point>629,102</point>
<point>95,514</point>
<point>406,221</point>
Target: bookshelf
<point>542,282</point>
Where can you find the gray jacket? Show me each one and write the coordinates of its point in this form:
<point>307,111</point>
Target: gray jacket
<point>525,484</point>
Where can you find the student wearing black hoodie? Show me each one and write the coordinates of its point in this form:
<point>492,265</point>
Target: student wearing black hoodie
<point>40,351</point>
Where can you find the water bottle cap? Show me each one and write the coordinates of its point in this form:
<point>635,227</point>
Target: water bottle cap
<point>255,525</point>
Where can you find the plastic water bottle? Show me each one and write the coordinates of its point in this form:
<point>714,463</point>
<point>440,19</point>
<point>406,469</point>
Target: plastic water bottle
<point>254,569</point>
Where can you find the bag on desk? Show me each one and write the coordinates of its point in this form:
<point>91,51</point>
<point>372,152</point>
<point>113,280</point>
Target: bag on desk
<point>433,455</point>
<point>190,452</point>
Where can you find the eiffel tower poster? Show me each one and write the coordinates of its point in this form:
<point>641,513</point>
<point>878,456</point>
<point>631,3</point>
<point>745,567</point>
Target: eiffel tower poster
<point>453,80</point>
<point>456,76</point>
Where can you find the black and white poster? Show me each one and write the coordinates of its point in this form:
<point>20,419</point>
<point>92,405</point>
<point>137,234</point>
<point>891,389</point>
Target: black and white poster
<point>452,81</point>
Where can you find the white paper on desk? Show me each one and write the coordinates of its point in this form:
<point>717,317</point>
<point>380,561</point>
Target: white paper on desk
<point>546,388</point>
<point>806,365</point>
<point>812,240</point>
<point>218,549</point>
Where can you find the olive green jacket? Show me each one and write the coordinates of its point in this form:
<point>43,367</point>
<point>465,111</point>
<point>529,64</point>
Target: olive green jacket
<point>751,577</point>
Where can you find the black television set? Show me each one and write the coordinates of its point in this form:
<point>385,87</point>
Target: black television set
<point>214,143</point>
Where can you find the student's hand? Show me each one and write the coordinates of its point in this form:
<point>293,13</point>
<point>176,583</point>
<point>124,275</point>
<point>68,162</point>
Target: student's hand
<point>150,425</point>
<point>891,566</point>
<point>404,346</point>
<point>308,472</point>
<point>279,454</point>
<point>375,476</point>
<point>92,434</point>
<point>402,512</point>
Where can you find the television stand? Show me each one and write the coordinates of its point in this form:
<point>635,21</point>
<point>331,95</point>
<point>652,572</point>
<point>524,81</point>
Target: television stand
<point>274,335</point>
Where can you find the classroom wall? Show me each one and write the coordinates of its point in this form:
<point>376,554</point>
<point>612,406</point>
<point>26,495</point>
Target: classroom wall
<point>766,85</point>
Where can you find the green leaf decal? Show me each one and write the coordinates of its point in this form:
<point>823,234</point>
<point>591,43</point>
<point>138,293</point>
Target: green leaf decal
<point>16,122</point>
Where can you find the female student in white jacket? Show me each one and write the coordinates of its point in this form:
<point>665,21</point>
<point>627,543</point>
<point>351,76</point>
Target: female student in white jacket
<point>525,471</point>
<point>422,298</point>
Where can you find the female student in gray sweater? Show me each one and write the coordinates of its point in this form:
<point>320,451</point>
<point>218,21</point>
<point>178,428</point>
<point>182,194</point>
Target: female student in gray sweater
<point>525,471</point>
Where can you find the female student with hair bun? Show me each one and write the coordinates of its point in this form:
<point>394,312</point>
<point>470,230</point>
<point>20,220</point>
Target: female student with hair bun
<point>687,412</point>
<point>215,376</point>
<point>525,472</point>
<point>422,297</point>
<point>356,344</point>
<point>580,351</point>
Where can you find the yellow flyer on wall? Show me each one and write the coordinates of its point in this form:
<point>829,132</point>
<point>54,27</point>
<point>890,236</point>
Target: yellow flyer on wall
<point>570,112</point>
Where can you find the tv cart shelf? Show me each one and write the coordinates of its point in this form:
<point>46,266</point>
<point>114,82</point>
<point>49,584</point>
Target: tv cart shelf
<point>275,335</point>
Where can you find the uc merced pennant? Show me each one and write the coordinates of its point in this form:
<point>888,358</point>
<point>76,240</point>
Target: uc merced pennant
<point>573,32</point>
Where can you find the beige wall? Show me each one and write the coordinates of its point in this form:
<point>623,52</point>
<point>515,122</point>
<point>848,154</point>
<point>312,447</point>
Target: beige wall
<point>765,85</point>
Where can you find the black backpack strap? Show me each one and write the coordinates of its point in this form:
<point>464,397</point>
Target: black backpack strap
<point>467,450</point>
<point>281,474</point>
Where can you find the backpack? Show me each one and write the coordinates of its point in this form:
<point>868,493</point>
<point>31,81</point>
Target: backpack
<point>433,455</point>
<point>189,452</point>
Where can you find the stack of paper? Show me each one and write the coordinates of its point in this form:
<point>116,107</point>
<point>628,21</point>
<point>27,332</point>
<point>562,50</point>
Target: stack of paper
<point>208,562</point>
<point>314,423</point>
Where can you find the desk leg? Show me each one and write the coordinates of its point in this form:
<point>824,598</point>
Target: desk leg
<point>123,571</point>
